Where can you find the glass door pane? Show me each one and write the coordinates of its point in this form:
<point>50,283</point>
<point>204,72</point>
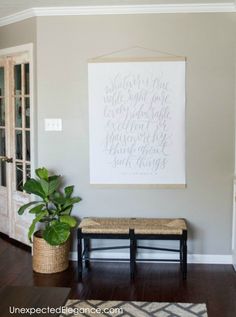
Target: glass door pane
<point>18,78</point>
<point>2,157</point>
<point>21,97</point>
<point>3,176</point>
<point>2,129</point>
<point>2,111</point>
<point>2,82</point>
<point>18,112</point>
<point>19,176</point>
<point>2,142</point>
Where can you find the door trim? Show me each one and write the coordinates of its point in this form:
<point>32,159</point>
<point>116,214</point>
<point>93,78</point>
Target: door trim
<point>8,52</point>
<point>18,50</point>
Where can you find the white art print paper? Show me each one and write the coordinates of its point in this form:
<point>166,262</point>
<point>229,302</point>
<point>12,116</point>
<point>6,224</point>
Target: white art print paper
<point>137,122</point>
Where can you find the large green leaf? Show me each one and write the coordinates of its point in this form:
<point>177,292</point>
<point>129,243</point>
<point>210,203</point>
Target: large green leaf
<point>34,222</point>
<point>53,185</point>
<point>37,209</point>
<point>56,233</point>
<point>50,186</point>
<point>68,191</point>
<point>58,198</point>
<point>71,221</point>
<point>42,173</point>
<point>71,201</point>
<point>24,207</point>
<point>32,186</point>
<point>45,186</point>
<point>51,178</point>
<point>66,211</point>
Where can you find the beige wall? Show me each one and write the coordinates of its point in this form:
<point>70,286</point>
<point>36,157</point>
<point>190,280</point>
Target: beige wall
<point>18,33</point>
<point>64,44</point>
<point>207,40</point>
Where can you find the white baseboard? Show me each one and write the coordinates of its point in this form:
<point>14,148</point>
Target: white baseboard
<point>192,258</point>
<point>234,258</point>
<point>210,259</point>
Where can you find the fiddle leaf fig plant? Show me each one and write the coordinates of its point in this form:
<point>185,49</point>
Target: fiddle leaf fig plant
<point>53,209</point>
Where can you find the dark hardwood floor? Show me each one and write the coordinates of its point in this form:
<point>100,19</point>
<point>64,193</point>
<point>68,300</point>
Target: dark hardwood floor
<point>213,284</point>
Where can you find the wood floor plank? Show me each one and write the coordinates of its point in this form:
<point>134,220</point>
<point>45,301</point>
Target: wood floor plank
<point>214,285</point>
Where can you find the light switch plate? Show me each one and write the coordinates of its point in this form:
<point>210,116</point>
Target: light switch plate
<point>53,124</point>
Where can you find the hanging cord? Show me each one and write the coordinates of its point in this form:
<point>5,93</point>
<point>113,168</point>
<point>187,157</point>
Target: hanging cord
<point>100,57</point>
<point>157,51</point>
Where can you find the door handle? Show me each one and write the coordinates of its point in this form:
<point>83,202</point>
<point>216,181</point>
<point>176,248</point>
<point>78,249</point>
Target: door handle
<point>7,159</point>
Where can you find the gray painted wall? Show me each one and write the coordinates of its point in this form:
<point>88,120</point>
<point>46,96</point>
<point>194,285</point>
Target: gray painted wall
<point>18,33</point>
<point>64,44</point>
<point>207,40</point>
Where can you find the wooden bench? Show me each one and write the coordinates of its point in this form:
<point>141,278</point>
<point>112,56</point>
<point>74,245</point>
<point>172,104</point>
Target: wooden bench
<point>133,229</point>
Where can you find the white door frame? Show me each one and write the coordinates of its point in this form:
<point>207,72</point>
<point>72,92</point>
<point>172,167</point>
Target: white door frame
<point>8,52</point>
<point>17,50</point>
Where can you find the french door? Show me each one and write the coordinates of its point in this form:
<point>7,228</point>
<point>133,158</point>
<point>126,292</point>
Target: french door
<point>15,141</point>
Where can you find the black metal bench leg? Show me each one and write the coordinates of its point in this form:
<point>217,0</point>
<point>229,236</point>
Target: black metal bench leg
<point>80,257</point>
<point>135,252</point>
<point>132,253</point>
<point>86,252</point>
<point>181,254</point>
<point>184,254</point>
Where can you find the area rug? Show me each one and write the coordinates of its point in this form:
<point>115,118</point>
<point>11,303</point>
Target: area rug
<point>85,308</point>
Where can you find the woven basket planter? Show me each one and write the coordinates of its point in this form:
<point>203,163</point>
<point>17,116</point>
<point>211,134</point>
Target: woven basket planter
<point>47,258</point>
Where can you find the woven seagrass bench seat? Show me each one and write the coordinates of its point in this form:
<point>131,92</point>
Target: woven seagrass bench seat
<point>140,225</point>
<point>133,229</point>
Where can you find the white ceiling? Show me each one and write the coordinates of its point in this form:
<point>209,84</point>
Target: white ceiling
<point>9,7</point>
